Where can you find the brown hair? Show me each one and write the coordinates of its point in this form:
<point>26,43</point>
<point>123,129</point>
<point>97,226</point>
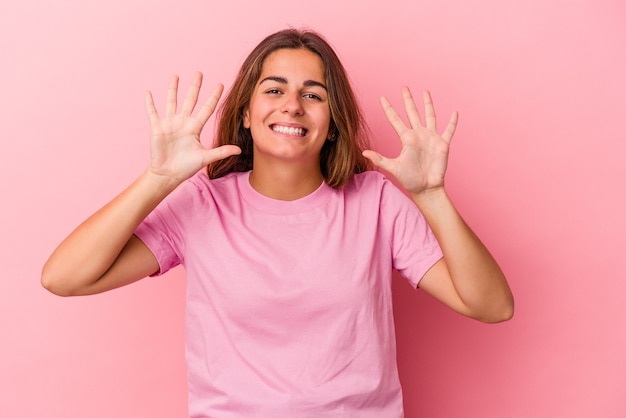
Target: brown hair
<point>341,158</point>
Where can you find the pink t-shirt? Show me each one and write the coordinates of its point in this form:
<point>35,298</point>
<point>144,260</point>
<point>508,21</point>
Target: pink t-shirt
<point>289,308</point>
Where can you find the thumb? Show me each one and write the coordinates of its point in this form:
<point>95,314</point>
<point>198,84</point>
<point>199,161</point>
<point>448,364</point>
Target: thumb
<point>377,159</point>
<point>219,153</point>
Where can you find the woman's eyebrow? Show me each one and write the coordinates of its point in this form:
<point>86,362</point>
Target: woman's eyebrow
<point>313,83</point>
<point>283,80</point>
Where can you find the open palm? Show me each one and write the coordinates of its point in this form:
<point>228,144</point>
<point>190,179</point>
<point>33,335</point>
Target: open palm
<point>175,147</point>
<point>423,159</point>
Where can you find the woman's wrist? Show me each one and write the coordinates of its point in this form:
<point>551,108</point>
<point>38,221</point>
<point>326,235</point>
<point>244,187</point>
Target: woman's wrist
<point>429,196</point>
<point>160,183</point>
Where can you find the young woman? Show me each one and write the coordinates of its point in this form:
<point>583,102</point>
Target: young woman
<point>288,240</point>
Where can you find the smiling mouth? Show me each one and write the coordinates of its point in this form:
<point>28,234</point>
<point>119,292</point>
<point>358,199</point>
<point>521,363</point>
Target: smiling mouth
<point>289,130</point>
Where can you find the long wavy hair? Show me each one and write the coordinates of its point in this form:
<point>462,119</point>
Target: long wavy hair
<point>340,158</point>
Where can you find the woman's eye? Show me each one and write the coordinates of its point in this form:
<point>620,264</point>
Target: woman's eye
<point>312,96</point>
<point>273,91</point>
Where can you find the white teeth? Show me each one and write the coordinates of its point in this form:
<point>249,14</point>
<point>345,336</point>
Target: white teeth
<point>288,130</point>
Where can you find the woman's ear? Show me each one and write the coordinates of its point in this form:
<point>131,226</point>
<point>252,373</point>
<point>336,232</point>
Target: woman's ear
<point>333,132</point>
<point>246,118</point>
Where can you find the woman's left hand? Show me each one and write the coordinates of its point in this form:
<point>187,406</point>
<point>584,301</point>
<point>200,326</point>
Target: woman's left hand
<point>421,165</point>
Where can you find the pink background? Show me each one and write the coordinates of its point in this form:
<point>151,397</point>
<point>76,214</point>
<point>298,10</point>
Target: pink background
<point>537,168</point>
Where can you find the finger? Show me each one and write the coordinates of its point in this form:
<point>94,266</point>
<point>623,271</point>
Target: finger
<point>172,93</point>
<point>410,108</point>
<point>153,114</point>
<point>392,116</point>
<point>192,94</point>
<point>429,111</point>
<point>378,160</point>
<point>450,128</point>
<point>209,106</point>
<point>219,153</point>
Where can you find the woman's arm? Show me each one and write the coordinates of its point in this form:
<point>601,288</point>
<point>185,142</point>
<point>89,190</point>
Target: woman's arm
<point>467,279</point>
<point>102,253</point>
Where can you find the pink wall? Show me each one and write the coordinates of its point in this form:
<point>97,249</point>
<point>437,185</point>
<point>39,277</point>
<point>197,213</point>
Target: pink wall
<point>537,169</point>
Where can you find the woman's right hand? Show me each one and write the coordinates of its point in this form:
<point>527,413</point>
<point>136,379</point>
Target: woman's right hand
<point>175,148</point>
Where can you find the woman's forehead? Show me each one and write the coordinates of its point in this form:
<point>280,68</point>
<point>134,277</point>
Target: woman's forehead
<point>293,65</point>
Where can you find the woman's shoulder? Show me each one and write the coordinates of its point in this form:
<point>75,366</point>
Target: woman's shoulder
<point>202,183</point>
<point>375,185</point>
<point>199,190</point>
<point>368,181</point>
<point>366,178</point>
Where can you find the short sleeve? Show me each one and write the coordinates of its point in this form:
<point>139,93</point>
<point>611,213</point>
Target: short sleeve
<point>163,229</point>
<point>413,244</point>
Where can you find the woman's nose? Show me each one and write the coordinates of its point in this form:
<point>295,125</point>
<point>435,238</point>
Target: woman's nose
<point>292,105</point>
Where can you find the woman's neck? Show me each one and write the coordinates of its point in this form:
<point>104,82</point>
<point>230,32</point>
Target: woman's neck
<point>282,182</point>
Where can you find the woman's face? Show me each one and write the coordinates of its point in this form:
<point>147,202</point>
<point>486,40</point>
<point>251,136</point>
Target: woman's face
<point>289,114</point>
